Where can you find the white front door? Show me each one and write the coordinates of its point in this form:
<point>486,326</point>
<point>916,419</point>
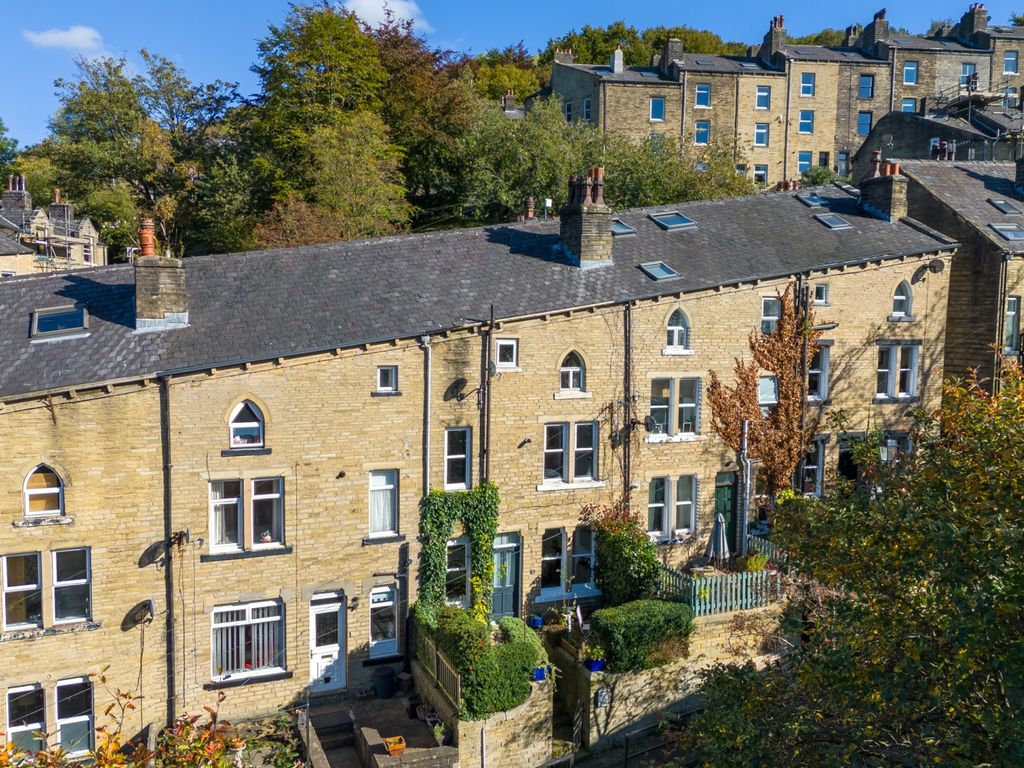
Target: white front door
<point>327,642</point>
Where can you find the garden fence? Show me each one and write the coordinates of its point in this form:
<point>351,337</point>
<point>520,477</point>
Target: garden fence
<point>720,593</point>
<point>436,665</point>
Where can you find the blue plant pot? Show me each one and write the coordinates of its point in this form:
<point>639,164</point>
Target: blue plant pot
<point>540,673</point>
<point>535,622</point>
<point>595,665</point>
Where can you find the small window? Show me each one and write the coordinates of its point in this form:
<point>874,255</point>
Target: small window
<point>761,134</point>
<point>71,598</point>
<point>686,504</point>
<point>671,506</point>
<point>585,452</point>
<point>812,200</point>
<point>678,330</point>
<point>383,622</point>
<point>833,221</point>
<point>568,111</point>
<point>910,73</point>
<point>1009,62</point>
<point>44,493</point>
<point>1011,326</point>
<point>572,374</point>
<point>384,502</point>
<point>551,555</point>
<point>457,461</point>
<point>908,105</point>
<point>671,220</point>
<point>817,375</point>
<point>267,511</point>
<point>246,426</point>
<point>767,394</point>
<point>967,74</point>
<point>763,97</point>
<point>761,174</point>
<point>387,378</point>
<point>806,124</point>
<point>248,640</point>
<point>659,270</point>
<point>864,123</point>
<point>583,557</point>
<point>74,716</point>
<point>226,515</point>
<point>702,132</point>
<point>656,502</point>
<point>58,321</point>
<point>1004,206</point>
<point>586,110</point>
<point>26,718</point>
<point>803,161</point>
<point>23,592</point>
<point>807,84</point>
<point>1009,231</point>
<point>897,371</point>
<point>1009,98</point>
<point>866,87</point>
<point>657,108</point>
<point>702,96</point>
<point>621,228</point>
<point>506,353</point>
<point>661,399</point>
<point>555,449</point>
<point>813,465</point>
<point>821,293</point>
<point>456,584</point>
<point>771,313</point>
<point>901,300</point>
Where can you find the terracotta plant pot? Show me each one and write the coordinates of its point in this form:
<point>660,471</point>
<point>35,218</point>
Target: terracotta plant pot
<point>395,745</point>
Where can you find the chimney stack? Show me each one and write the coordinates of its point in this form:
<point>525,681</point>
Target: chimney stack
<point>16,197</point>
<point>885,194</point>
<point>529,207</point>
<point>586,221</point>
<point>974,21</point>
<point>672,51</point>
<point>852,35</point>
<point>617,61</point>
<point>774,41</point>
<point>161,302</point>
<point>875,32</point>
<point>563,57</point>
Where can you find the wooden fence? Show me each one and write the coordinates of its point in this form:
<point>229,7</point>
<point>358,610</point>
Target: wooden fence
<point>765,547</point>
<point>439,668</point>
<point>721,593</point>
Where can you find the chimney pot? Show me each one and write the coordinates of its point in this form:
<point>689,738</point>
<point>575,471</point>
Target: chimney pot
<point>586,221</point>
<point>147,238</point>
<point>160,300</point>
<point>529,207</point>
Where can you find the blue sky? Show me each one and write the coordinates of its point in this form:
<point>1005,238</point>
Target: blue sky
<point>214,39</point>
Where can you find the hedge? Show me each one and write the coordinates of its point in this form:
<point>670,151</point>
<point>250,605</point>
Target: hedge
<point>631,634</point>
<point>516,631</point>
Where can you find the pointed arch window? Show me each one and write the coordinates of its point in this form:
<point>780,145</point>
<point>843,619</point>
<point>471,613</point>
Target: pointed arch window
<point>679,330</point>
<point>246,426</point>
<point>44,492</point>
<point>902,301</point>
<point>573,373</point>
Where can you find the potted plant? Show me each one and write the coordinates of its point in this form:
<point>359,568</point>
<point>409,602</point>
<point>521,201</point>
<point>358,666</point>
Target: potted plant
<point>395,745</point>
<point>592,657</point>
<point>534,621</point>
<point>439,734</point>
<point>540,673</point>
<point>266,537</point>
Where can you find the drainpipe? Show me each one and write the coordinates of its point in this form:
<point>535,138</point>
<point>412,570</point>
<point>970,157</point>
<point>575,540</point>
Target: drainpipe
<point>892,79</point>
<point>427,370</point>
<point>627,401</point>
<point>165,445</point>
<point>785,133</point>
<point>1000,320</point>
<point>745,482</point>
<point>736,124</point>
<point>487,400</point>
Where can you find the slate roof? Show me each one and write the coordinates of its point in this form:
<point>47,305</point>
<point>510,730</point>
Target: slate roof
<point>966,187</point>
<point>648,75</point>
<point>266,304</point>
<point>11,247</point>
<point>824,53</point>
<point>932,44</point>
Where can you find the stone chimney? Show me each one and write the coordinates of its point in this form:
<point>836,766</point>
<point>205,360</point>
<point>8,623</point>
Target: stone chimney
<point>884,193</point>
<point>852,35</point>
<point>508,101</point>
<point>160,300</point>
<point>875,32</point>
<point>586,222</point>
<point>563,57</point>
<point>774,41</point>
<point>16,196</point>
<point>530,208</point>
<point>972,23</point>
<point>61,213</point>
<point>617,61</point>
<point>672,51</point>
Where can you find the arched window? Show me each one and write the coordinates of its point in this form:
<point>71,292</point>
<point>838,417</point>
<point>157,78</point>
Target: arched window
<point>679,330</point>
<point>246,426</point>
<point>44,492</point>
<point>901,301</point>
<point>573,372</point>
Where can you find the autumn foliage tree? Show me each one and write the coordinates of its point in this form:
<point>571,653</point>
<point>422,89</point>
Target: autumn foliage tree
<point>779,436</point>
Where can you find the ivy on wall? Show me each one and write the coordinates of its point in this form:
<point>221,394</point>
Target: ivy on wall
<point>477,510</point>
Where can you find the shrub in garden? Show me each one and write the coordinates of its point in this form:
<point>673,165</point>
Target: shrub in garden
<point>461,637</point>
<point>515,631</point>
<point>499,681</point>
<point>634,635</point>
<point>628,558</point>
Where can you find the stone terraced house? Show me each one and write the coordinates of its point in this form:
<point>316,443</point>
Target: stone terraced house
<point>210,469</point>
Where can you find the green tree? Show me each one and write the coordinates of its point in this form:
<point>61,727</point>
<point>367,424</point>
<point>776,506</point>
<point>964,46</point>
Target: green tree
<point>8,148</point>
<point>1017,19</point>
<point>595,45</point>
<point>913,656</point>
<point>827,36</point>
<point>499,69</point>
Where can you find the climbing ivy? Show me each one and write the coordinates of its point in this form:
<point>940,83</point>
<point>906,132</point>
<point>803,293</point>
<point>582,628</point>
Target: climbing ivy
<point>477,509</point>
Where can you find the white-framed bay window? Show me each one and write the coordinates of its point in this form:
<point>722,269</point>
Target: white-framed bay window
<point>26,717</point>
<point>568,564</point>
<point>247,639</point>
<point>383,622</point>
<point>672,507</point>
<point>74,715</point>
<point>383,502</point>
<point>71,585</point>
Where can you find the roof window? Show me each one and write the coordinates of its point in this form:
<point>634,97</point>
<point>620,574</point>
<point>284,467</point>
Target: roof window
<point>1009,231</point>
<point>804,52</point>
<point>59,321</point>
<point>648,74</point>
<point>671,220</point>
<point>705,62</point>
<point>659,270</point>
<point>748,64</point>
<point>833,221</point>
<point>619,227</point>
<point>812,199</point>
<point>1004,205</point>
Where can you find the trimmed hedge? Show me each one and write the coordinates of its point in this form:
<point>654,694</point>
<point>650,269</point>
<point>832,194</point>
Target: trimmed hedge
<point>460,637</point>
<point>516,631</point>
<point>632,633</point>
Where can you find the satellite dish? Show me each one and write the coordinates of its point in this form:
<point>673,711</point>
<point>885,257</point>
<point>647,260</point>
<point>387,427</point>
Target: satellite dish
<point>455,389</point>
<point>154,553</point>
<point>649,423</point>
<point>936,266</point>
<point>887,139</point>
<point>141,613</point>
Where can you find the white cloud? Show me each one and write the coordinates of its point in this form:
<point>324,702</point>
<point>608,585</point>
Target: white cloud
<point>76,38</point>
<point>372,12</point>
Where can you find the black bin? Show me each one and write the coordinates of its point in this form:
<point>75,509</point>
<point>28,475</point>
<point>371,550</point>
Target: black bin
<point>384,682</point>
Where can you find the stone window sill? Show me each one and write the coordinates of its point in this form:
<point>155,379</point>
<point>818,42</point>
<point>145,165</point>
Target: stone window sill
<point>675,351</point>
<point>572,394</point>
<point>661,437</point>
<point>35,522</point>
<point>245,452</point>
<point>507,369</point>
<point>32,633</point>
<point>250,679</point>
<point>262,551</point>
<point>896,400</point>
<point>385,393</point>
<point>577,486</point>
<point>901,319</point>
<point>369,541</point>
<point>555,596</point>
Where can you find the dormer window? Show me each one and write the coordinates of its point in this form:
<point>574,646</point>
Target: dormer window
<point>44,492</point>
<point>901,302</point>
<point>59,321</point>
<point>678,330</point>
<point>573,373</point>
<point>246,426</point>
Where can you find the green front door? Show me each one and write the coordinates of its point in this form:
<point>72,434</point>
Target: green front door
<point>725,504</point>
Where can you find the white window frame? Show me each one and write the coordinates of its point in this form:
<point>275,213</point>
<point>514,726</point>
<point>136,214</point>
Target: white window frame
<point>465,598</point>
<point>568,111</point>
<point>817,447</point>
<point>1011,322</point>
<point>673,426</point>
<point>697,130</point>
<point>381,480</point>
<point>905,297</point>
<point>678,332</point>
<point>761,174</point>
<point>688,403</point>
<point>967,68</point>
<point>650,107</point>
<point>558,591</point>
<point>21,590</point>
<point>808,82</point>
<point>567,556</point>
<point>248,621</point>
<point>512,344</point>
<point>563,427</point>
<point>897,365</point>
<point>674,509</point>
<point>458,484</point>
<point>765,403</point>
<point>805,124</point>
<point>908,101</point>
<point>31,728</point>
<point>657,506</point>
<point>765,91</point>
<point>820,298</point>
<point>260,422</point>
<point>587,587</point>
<point>382,649</point>
<point>770,317</point>
<point>48,491</point>
<point>572,378</point>
<point>699,90</point>
<point>578,453</point>
<point>586,110</point>
<point>907,67</point>
<point>385,372</point>
<point>216,504</point>
<point>761,133</point>
<point>86,582</point>
<point>821,392</point>
<point>1016,63</point>
<point>278,496</point>
<point>64,721</point>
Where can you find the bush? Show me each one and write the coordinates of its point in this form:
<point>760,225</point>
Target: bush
<point>499,681</point>
<point>819,176</point>
<point>515,631</point>
<point>628,557</point>
<point>634,635</point>
<point>461,638</point>
<point>756,561</point>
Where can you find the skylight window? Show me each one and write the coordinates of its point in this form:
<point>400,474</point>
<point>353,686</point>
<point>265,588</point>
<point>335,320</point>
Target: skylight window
<point>748,64</point>
<point>833,221</point>
<point>804,52</point>
<point>811,200</point>
<point>705,62</point>
<point>59,321</point>
<point>671,220</point>
<point>648,74</point>
<point>1009,231</point>
<point>619,227</point>
<point>658,270</point>
<point>1004,205</point>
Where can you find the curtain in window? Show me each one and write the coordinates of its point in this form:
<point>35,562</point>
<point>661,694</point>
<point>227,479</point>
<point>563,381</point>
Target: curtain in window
<point>382,508</point>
